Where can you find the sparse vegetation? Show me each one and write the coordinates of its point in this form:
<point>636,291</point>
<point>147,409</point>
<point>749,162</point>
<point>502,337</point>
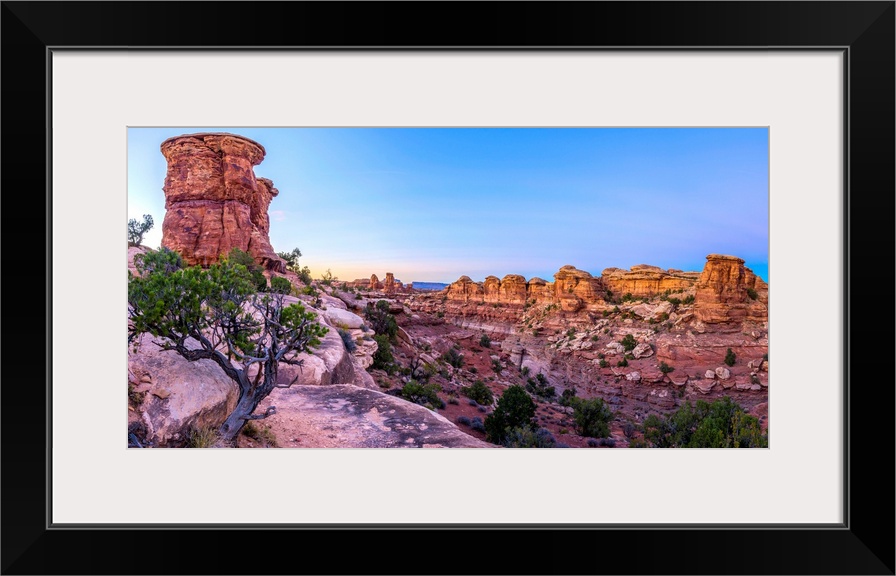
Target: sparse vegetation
<point>628,342</point>
<point>238,257</point>
<point>752,294</point>
<point>203,437</point>
<point>454,358</point>
<point>478,392</point>
<point>497,367</point>
<point>261,435</point>
<point>525,437</point>
<point>540,387</point>
<point>665,368</point>
<point>485,341</point>
<point>622,363</point>
<point>730,357</point>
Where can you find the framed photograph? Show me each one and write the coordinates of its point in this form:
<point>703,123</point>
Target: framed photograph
<point>817,77</point>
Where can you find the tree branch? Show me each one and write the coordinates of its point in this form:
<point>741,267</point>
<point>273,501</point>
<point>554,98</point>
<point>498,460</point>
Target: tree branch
<point>269,412</point>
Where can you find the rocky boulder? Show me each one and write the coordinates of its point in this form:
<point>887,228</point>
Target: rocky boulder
<point>177,394</point>
<point>347,416</point>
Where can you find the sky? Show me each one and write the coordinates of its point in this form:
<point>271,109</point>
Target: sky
<point>433,204</point>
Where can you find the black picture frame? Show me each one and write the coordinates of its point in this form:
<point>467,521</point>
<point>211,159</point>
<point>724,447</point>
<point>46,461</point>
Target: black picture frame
<point>863,30</point>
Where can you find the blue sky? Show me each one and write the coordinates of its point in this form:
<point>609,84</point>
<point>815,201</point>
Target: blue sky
<point>432,204</point>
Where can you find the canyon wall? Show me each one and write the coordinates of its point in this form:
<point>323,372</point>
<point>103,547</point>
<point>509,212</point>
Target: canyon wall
<point>724,292</point>
<point>213,200</point>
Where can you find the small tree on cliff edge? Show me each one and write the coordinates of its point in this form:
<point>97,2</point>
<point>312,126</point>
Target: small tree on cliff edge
<point>136,230</point>
<point>216,314</point>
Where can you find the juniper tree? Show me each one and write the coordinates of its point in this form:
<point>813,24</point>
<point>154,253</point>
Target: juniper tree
<point>217,314</point>
<point>136,229</point>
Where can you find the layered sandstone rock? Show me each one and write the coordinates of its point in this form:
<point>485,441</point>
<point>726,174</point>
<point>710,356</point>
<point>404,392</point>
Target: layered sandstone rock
<point>389,283</point>
<point>573,288</point>
<point>214,202</point>
<point>645,281</point>
<point>723,292</point>
<point>374,283</point>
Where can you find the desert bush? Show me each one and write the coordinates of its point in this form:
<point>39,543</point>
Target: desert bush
<point>380,319</point>
<point>524,437</point>
<point>237,256</point>
<point>752,294</point>
<point>454,358</point>
<point>665,368</point>
<point>622,363</point>
<point>515,408</point>
<point>730,357</point>
<point>350,345</point>
<point>628,342</point>
<point>477,424</point>
<point>463,420</point>
<point>261,435</point>
<point>423,394</point>
<point>478,392</point>
<point>382,358</point>
<point>204,437</point>
<point>280,285</point>
<point>485,341</point>
<point>722,424</point>
<point>591,417</point>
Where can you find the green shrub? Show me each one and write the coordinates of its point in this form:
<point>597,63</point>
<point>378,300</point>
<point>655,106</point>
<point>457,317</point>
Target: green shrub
<point>592,417</point>
<point>423,394</point>
<point>291,259</point>
<point>380,319</point>
<point>568,397</point>
<point>515,409</point>
<point>485,341</point>
<point>665,368</point>
<point>730,357</point>
<point>525,437</point>
<point>752,294</point>
<point>571,332</point>
<point>478,392</point>
<point>722,424</point>
<point>628,342</point>
<point>454,358</point>
<point>622,363</point>
<point>540,387</point>
<point>497,367</point>
<point>603,363</point>
<point>477,424</point>
<point>280,285</point>
<point>305,275</point>
<point>237,256</point>
<point>382,358</point>
<point>688,299</point>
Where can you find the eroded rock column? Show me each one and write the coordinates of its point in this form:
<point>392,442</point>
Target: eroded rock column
<point>214,202</point>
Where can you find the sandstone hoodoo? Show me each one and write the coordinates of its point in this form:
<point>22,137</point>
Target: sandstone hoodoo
<point>213,200</point>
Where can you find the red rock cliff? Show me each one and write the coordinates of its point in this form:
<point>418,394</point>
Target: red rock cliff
<point>214,202</point>
<point>724,292</point>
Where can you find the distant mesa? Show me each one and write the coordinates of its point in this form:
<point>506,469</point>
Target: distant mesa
<point>213,200</point>
<point>725,291</point>
<point>428,286</point>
